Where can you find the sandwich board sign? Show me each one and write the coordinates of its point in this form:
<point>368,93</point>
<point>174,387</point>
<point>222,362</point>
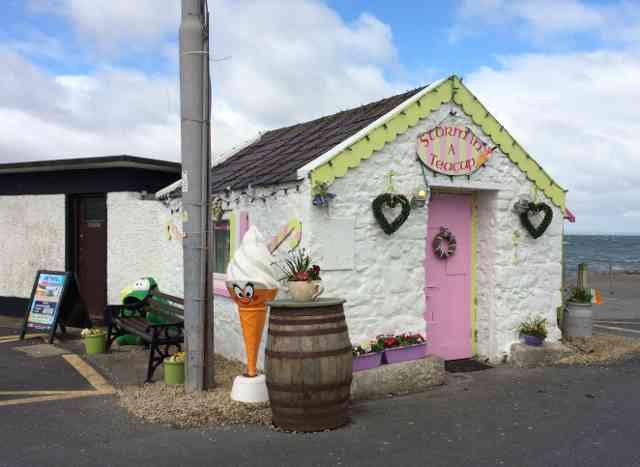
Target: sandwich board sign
<point>54,302</point>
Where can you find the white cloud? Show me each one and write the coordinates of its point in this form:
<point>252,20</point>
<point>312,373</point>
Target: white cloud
<point>117,24</point>
<point>545,20</point>
<point>288,63</point>
<point>577,115</point>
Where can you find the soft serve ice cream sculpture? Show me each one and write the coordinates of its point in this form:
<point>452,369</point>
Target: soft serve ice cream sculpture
<point>252,282</point>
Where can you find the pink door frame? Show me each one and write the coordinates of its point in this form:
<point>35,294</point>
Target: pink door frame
<point>448,281</point>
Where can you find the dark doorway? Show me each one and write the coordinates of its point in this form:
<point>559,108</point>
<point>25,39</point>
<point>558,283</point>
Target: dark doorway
<point>89,250</point>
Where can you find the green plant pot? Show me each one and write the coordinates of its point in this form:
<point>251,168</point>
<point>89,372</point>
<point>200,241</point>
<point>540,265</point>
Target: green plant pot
<point>174,372</point>
<point>95,344</point>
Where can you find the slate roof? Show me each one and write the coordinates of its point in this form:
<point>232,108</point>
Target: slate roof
<point>276,157</point>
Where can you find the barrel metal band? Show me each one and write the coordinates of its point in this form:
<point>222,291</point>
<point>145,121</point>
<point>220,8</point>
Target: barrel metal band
<point>304,322</point>
<point>310,332</point>
<point>305,415</point>
<point>302,355</point>
<point>286,312</point>
<point>308,404</point>
<point>308,387</point>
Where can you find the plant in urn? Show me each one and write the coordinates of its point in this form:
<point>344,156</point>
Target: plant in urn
<point>303,277</point>
<point>251,283</point>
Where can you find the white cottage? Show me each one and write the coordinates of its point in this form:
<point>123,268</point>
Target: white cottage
<point>436,142</point>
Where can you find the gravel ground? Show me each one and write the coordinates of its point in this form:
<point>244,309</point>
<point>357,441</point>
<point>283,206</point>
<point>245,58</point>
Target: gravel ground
<point>171,405</point>
<point>606,349</point>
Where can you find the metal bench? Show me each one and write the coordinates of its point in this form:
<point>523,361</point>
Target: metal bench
<point>160,336</point>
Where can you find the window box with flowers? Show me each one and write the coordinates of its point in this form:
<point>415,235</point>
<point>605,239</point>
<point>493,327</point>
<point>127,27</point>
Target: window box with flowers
<point>367,355</point>
<point>403,347</point>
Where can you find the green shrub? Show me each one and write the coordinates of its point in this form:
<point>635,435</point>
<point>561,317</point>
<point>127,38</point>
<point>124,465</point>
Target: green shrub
<point>579,295</point>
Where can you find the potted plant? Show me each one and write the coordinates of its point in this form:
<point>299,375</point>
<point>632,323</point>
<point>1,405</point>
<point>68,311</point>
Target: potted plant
<point>94,340</point>
<point>303,277</point>
<point>174,369</point>
<point>577,320</point>
<point>403,347</point>
<point>534,330</point>
<point>367,355</point>
<point>321,195</point>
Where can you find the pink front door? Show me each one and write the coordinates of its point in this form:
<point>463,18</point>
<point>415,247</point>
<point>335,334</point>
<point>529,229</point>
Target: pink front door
<point>448,281</point>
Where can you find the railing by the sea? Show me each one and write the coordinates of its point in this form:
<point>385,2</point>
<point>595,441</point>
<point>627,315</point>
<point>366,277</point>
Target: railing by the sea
<point>599,266</point>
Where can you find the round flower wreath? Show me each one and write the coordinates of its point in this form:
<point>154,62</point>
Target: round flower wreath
<point>439,249</point>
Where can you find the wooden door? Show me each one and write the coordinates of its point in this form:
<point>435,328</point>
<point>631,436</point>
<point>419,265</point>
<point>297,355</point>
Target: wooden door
<point>448,281</point>
<point>90,213</point>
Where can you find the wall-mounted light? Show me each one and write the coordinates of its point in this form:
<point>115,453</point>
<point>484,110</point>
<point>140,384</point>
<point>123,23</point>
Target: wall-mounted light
<point>419,199</point>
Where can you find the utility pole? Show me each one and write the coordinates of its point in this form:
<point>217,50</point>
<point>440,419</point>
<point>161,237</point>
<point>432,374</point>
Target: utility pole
<point>195,113</point>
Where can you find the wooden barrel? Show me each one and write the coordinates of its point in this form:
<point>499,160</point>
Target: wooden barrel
<point>309,365</point>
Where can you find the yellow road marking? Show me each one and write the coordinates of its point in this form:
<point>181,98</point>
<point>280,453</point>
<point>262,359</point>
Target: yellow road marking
<point>32,393</point>
<point>91,375</point>
<point>54,397</point>
<point>7,339</point>
<point>100,385</point>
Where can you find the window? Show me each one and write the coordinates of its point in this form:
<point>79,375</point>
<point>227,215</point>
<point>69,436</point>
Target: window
<point>221,246</point>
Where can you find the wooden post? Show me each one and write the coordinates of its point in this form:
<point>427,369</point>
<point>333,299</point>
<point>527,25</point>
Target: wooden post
<point>583,276</point>
<point>610,279</point>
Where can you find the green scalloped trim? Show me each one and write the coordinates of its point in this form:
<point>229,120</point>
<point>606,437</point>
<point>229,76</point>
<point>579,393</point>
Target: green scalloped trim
<point>507,144</point>
<point>399,123</point>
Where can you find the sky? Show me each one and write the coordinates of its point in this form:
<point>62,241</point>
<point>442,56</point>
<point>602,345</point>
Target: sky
<point>91,78</point>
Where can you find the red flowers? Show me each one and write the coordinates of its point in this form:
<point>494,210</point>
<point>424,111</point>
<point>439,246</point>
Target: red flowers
<point>301,276</point>
<point>400,340</point>
<point>314,273</point>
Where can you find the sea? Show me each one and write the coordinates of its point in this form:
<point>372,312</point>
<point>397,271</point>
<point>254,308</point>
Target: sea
<point>620,252</point>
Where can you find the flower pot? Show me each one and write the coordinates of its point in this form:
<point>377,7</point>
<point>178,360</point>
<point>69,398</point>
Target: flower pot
<point>173,372</point>
<point>95,344</point>
<point>534,341</point>
<point>305,291</point>
<point>577,320</point>
<point>367,361</point>
<point>405,354</point>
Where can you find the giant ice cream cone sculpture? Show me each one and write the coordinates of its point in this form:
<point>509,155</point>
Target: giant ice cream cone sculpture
<point>252,282</point>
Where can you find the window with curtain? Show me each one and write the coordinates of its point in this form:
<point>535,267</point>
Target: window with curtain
<point>221,246</point>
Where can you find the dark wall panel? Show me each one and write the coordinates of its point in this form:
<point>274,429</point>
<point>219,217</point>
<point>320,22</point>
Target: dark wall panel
<point>13,306</point>
<point>85,181</point>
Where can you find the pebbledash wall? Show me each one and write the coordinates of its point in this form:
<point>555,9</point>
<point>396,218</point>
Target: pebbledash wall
<point>516,276</point>
<point>139,245</point>
<point>33,235</point>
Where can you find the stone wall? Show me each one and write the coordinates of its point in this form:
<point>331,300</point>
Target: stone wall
<point>33,236</point>
<point>516,275</point>
<point>139,245</point>
<point>385,291</point>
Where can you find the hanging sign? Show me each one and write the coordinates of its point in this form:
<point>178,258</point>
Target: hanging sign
<point>452,150</point>
<point>54,302</point>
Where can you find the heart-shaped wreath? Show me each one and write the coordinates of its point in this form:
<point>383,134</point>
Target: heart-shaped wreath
<point>391,200</point>
<point>534,209</point>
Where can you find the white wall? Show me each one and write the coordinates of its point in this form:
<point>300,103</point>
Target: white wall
<point>139,246</point>
<point>33,236</point>
<point>385,289</point>
<point>269,217</point>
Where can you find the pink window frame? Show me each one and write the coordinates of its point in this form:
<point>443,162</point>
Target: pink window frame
<point>241,226</point>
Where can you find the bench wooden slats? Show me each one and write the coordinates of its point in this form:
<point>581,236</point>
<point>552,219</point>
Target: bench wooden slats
<point>168,297</point>
<point>165,308</point>
<point>170,333</point>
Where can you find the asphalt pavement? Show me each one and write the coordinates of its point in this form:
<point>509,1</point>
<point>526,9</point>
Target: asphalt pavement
<point>564,416</point>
